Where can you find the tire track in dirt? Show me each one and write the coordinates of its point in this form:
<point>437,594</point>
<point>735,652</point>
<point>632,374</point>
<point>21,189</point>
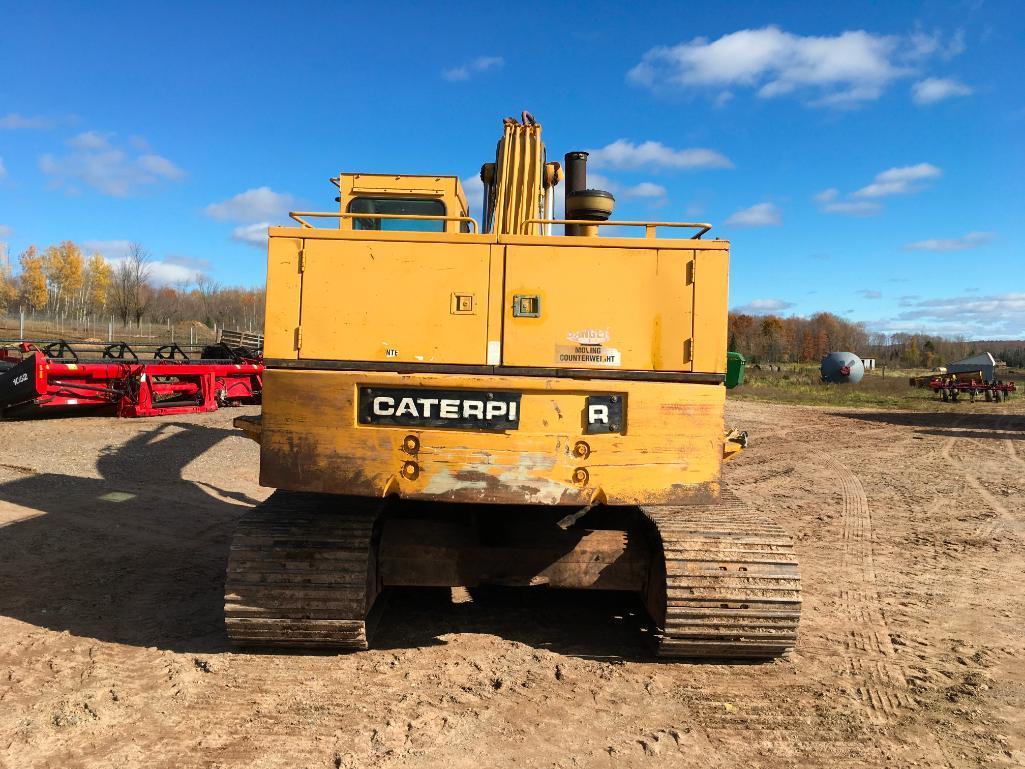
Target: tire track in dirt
<point>1002,515</point>
<point>880,683</point>
<point>1013,452</point>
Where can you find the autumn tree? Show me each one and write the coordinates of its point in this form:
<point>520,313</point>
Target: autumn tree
<point>8,293</point>
<point>96,290</point>
<point>33,279</point>
<point>63,267</point>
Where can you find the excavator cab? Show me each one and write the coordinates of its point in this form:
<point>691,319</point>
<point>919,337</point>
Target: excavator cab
<point>514,400</point>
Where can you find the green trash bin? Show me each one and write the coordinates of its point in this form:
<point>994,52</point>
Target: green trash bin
<point>734,369</point>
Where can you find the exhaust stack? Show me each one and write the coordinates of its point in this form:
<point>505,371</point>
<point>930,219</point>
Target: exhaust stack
<point>582,203</point>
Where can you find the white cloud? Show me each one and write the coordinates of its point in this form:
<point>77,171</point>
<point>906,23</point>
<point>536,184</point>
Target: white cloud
<point>90,140</point>
<point>902,180</point>
<point>838,70</point>
<point>645,190</point>
<point>170,270</point>
<point>868,293</point>
<point>763,306</point>
<point>3,169</point>
<point>641,190</point>
<point>14,121</point>
<point>899,181</point>
<point>625,155</point>
<point>200,265</point>
<point>252,234</point>
<point>923,45</point>
<point>758,215</point>
<point>97,163</point>
<point>934,89</point>
<point>113,250</point>
<point>971,240</point>
<point>160,166</point>
<point>722,99</point>
<point>988,317</point>
<point>5,231</point>
<point>853,207</point>
<point>255,205</point>
<point>474,189</point>
<point>468,70</point>
<point>168,273</point>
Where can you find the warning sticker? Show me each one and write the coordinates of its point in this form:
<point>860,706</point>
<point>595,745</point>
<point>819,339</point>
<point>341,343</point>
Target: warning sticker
<point>587,355</point>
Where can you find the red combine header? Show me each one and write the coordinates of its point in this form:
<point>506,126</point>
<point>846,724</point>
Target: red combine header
<point>38,378</point>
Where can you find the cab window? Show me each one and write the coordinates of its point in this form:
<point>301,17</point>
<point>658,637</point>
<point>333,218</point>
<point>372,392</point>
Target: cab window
<point>405,206</point>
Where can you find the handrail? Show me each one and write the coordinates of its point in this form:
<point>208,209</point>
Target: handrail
<point>649,227</point>
<point>298,216</point>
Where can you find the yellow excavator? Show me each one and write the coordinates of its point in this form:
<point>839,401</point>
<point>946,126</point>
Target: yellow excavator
<point>522,400</point>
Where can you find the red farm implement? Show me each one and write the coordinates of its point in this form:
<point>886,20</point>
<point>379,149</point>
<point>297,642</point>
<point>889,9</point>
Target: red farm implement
<point>952,388</point>
<point>39,379</point>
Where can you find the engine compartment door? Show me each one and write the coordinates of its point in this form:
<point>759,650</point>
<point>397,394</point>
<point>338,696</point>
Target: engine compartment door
<point>628,308</point>
<point>394,301</point>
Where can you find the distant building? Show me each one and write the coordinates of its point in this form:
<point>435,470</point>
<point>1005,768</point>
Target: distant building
<point>983,362</point>
<point>870,363</point>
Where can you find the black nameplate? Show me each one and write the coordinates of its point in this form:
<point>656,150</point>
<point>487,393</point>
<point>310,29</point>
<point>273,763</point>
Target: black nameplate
<point>456,409</point>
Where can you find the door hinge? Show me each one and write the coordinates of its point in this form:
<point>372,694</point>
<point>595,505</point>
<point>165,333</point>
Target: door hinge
<point>298,337</point>
<point>690,272</point>
<point>688,351</point>
<point>302,260</point>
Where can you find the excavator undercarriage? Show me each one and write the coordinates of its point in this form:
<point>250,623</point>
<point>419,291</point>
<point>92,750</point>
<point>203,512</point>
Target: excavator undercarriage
<point>717,580</point>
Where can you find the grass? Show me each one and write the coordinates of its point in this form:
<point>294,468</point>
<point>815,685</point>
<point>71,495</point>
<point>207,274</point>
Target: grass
<point>799,384</point>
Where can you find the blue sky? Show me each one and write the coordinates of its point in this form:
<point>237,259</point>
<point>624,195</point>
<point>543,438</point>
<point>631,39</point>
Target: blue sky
<point>865,159</point>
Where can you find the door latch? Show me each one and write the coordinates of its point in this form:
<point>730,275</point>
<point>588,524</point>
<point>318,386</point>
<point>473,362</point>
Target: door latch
<point>526,306</point>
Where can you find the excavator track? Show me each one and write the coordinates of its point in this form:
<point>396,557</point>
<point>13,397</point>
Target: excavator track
<point>302,572</point>
<point>727,586</point>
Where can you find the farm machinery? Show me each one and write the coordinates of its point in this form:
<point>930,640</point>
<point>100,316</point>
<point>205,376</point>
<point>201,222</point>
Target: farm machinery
<point>58,377</point>
<point>953,388</point>
<point>521,401</point>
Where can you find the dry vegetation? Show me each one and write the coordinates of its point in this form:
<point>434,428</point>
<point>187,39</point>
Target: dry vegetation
<point>801,384</point>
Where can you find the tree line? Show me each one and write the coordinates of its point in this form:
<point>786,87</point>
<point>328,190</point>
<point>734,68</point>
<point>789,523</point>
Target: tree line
<point>775,339</point>
<point>61,283</point>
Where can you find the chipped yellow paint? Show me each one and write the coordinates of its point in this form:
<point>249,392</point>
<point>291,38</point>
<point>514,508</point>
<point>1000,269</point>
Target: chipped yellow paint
<point>670,453</point>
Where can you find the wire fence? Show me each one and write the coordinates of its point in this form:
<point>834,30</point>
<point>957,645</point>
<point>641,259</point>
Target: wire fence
<point>22,326</point>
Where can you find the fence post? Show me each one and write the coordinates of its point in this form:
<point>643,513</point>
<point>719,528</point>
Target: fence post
<point>21,326</point>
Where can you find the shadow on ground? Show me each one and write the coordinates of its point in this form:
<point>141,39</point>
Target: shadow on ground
<point>137,557</point>
<point>964,424</point>
<point>582,623</point>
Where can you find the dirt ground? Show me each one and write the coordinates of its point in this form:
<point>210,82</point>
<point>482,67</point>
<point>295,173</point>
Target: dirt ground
<point>113,540</point>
